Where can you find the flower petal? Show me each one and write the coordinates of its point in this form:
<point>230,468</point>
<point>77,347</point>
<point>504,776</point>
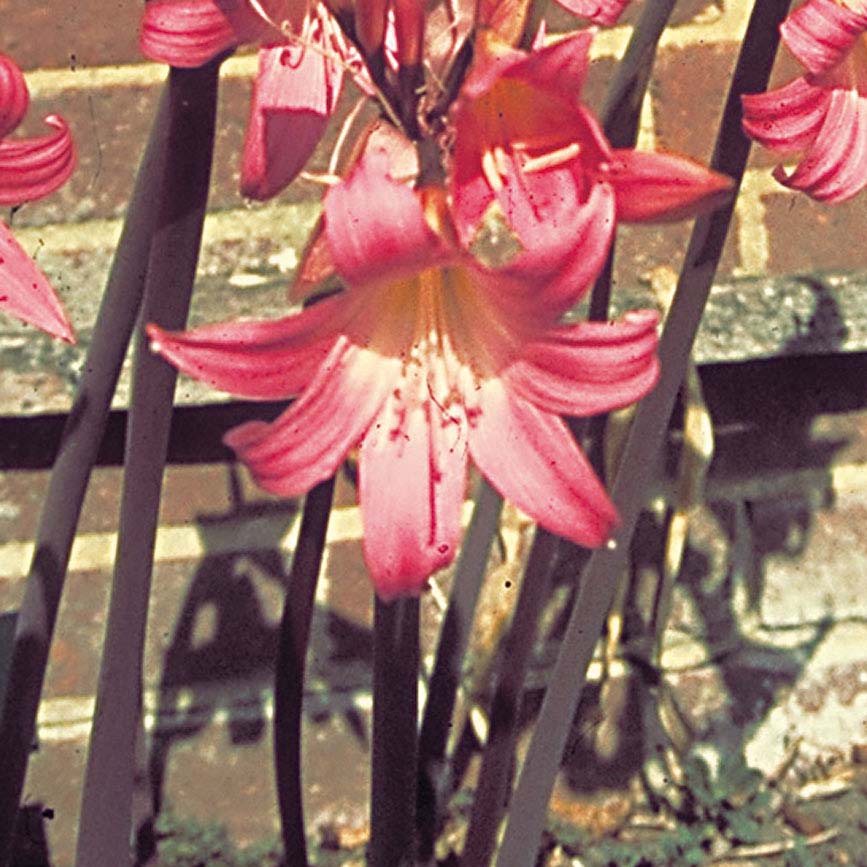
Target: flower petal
<point>821,32</point>
<point>13,95</point>
<point>266,360</point>
<point>597,11</point>
<point>376,227</point>
<point>787,119</point>
<point>564,257</point>
<point>659,186</point>
<point>589,368</point>
<point>294,95</point>
<point>835,167</point>
<point>25,292</point>
<point>530,457</point>
<point>189,33</point>
<point>308,442</point>
<point>412,480</point>
<point>34,167</point>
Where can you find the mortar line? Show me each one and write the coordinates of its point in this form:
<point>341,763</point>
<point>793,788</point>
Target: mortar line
<point>753,237</point>
<point>95,551</point>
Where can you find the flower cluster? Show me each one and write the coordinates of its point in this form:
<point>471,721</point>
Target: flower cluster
<point>431,357</point>
<point>29,169</point>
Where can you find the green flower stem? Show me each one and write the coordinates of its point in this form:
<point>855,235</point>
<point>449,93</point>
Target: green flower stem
<point>79,445</point>
<point>499,755</point>
<point>527,814</point>
<point>106,811</point>
<point>395,740</point>
<point>289,674</point>
<point>451,648</point>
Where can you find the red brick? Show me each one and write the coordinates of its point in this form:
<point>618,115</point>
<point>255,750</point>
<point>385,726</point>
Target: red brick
<point>689,88</point>
<point>808,236</point>
<point>81,33</point>
<point>641,247</point>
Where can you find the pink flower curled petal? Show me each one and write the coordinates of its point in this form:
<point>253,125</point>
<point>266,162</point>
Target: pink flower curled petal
<point>590,367</point>
<point>14,97</point>
<point>787,119</point>
<point>821,117</point>
<point>412,480</point>
<point>375,227</point>
<point>530,457</point>
<point>662,186</point>
<point>189,33</point>
<point>309,441</point>
<point>26,293</point>
<point>597,11</point>
<point>822,32</point>
<point>294,96</point>
<point>260,360</point>
<point>30,168</point>
<point>34,167</point>
<point>834,167</point>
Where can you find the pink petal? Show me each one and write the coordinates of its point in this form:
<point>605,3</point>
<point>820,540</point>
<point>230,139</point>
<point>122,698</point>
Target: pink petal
<point>504,19</point>
<point>821,32</point>
<point>192,32</point>
<point>564,256</point>
<point>658,186</point>
<point>376,227</point>
<point>562,65</point>
<point>315,267</point>
<point>308,442</point>
<point>835,167</point>
<point>598,11</point>
<point>34,167</point>
<point>266,360</point>
<point>530,457</point>
<point>25,292</point>
<point>787,119</point>
<point>589,368</point>
<point>295,93</point>
<point>13,95</point>
<point>412,476</point>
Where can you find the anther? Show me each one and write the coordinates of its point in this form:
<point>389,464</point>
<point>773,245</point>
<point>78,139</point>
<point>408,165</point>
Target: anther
<point>552,159</point>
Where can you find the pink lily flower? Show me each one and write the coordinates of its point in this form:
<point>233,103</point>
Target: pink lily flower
<point>301,66</point>
<point>427,360</point>
<point>821,116</point>
<point>29,169</point>
<point>524,141</point>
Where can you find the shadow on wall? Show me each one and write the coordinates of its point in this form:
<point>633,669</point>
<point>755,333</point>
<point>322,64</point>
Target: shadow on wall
<point>220,662</point>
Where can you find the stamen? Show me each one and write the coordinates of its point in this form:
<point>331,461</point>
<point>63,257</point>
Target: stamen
<point>489,170</point>
<point>323,178</point>
<point>552,159</point>
<point>501,160</point>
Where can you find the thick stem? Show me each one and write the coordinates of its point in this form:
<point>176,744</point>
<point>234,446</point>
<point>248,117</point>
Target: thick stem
<point>395,738</point>
<point>492,792</point>
<point>527,815</point>
<point>452,647</point>
<point>80,442</point>
<point>106,811</point>
<point>289,674</point>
